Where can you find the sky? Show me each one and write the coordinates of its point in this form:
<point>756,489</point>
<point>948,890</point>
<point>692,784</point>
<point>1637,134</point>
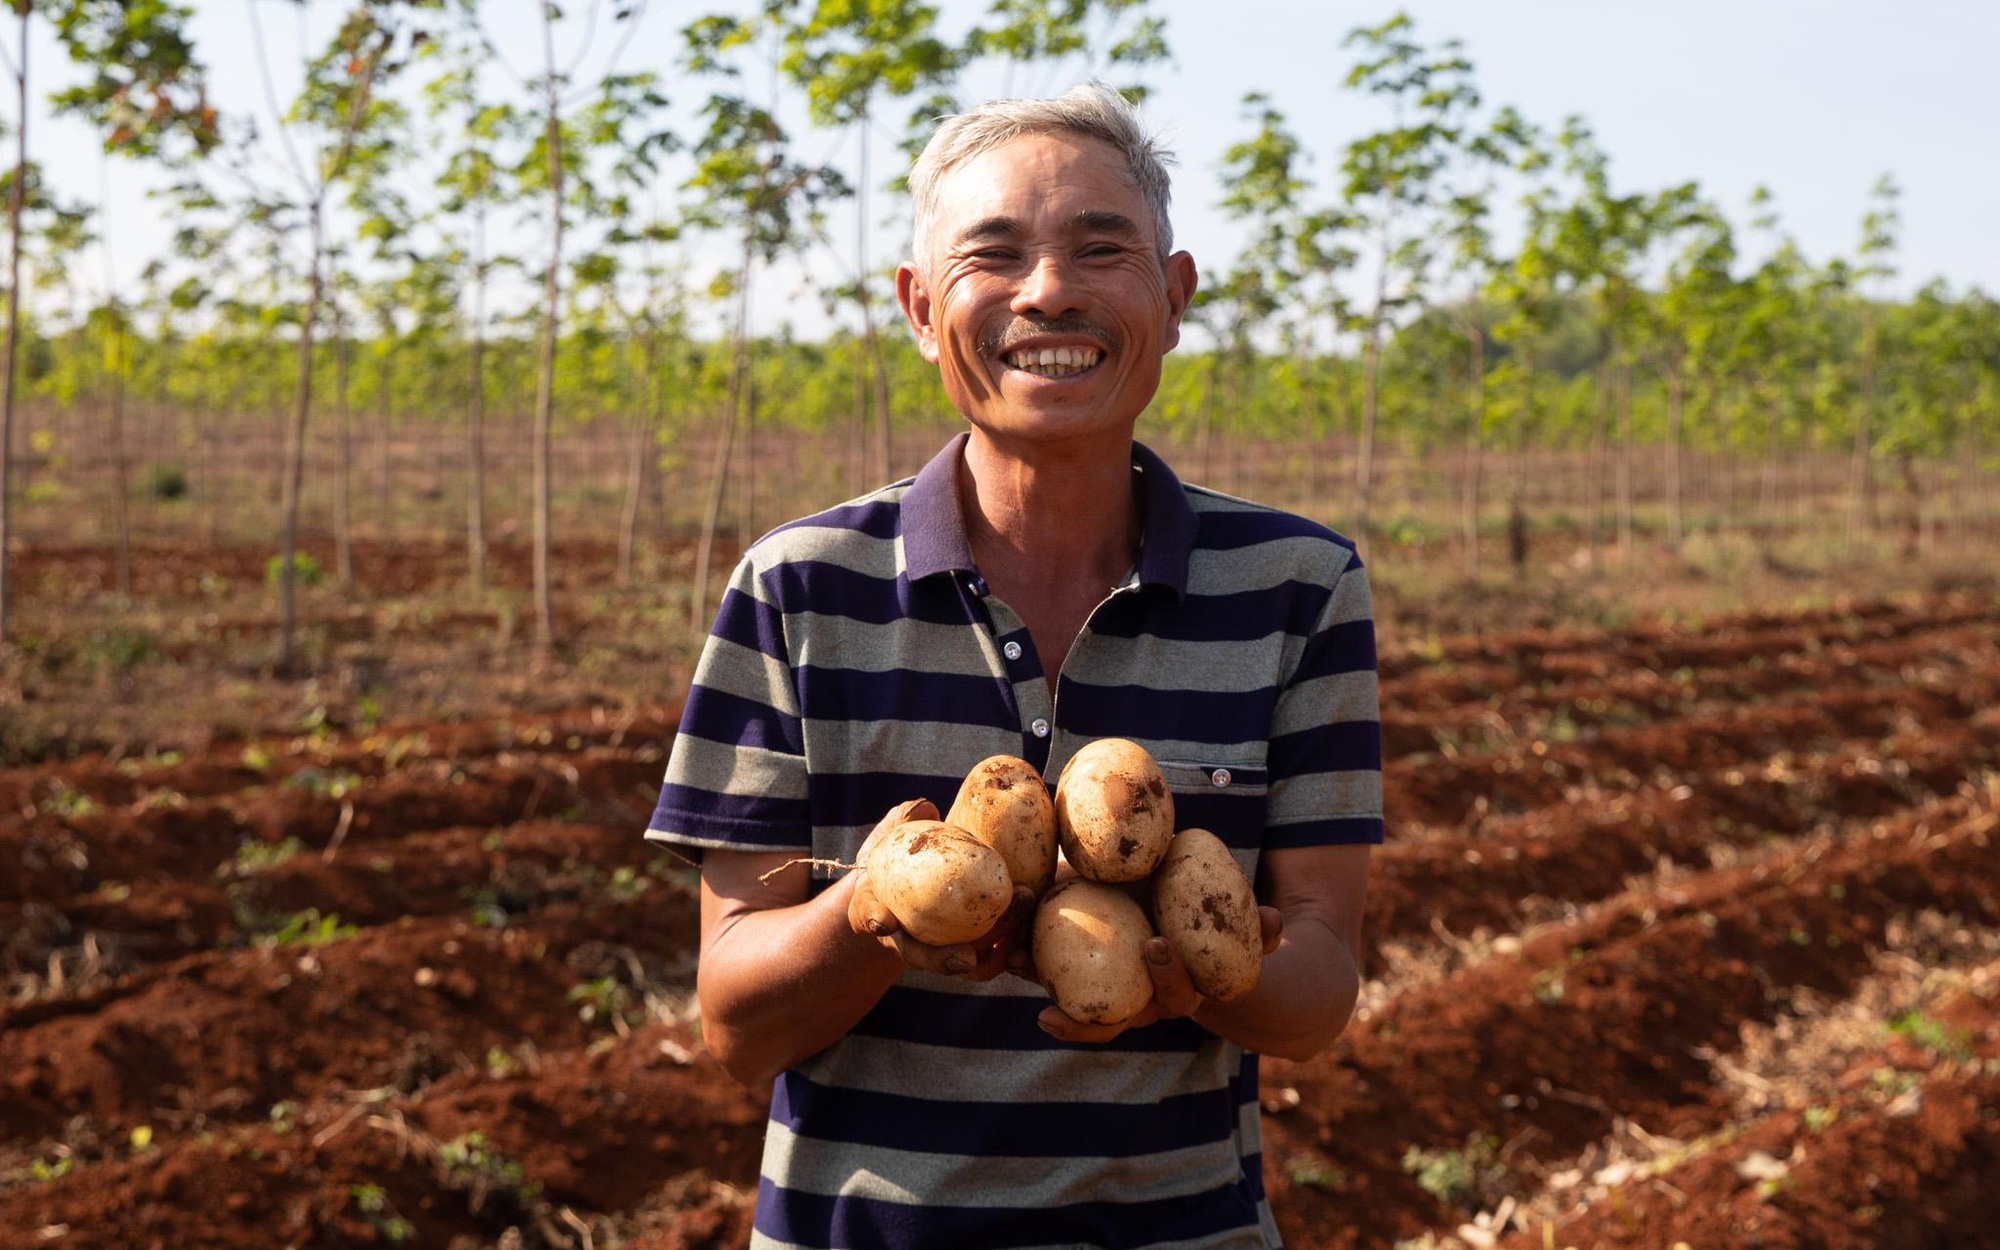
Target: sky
<point>1812,100</point>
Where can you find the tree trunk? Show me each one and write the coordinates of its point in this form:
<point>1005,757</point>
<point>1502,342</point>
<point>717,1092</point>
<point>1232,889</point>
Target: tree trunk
<point>1517,521</point>
<point>545,396</point>
<point>384,420</point>
<point>7,386</point>
<point>121,486</point>
<point>1625,461</point>
<point>1364,468</point>
<point>1675,401</point>
<point>635,466</point>
<point>475,519</point>
<point>718,476</point>
<point>1474,442</point>
<point>343,531</point>
<point>1860,503</point>
<point>1595,462</point>
<point>295,458</point>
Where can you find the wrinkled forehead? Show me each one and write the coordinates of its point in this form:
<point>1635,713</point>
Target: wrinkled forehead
<point>1042,182</point>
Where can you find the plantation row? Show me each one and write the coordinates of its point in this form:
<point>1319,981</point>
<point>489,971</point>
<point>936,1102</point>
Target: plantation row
<point>428,981</point>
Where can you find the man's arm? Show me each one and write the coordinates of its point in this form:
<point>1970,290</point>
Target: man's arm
<point>785,973</point>
<point>1311,977</point>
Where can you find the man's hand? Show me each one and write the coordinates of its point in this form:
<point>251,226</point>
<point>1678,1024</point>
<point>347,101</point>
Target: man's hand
<point>979,960</point>
<point>1174,994</point>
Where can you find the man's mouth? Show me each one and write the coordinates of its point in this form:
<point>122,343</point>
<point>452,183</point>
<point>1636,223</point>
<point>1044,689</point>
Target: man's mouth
<point>1054,362</point>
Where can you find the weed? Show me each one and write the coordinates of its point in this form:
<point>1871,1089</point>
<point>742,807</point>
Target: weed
<point>1309,1167</point>
<point>284,1117</point>
<point>255,856</point>
<point>373,1203</point>
<point>1818,1119</point>
<point>116,648</point>
<point>499,1063</point>
<point>306,571</point>
<point>52,1169</point>
<point>1456,1177</point>
<point>308,928</point>
<point>65,801</point>
<point>470,1163</point>
<point>1549,986</point>
<point>368,710</point>
<point>609,1000</point>
<point>1932,1036</point>
<point>626,883</point>
<point>257,758</point>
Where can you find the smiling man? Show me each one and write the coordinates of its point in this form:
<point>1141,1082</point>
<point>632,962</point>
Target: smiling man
<point>1043,582</point>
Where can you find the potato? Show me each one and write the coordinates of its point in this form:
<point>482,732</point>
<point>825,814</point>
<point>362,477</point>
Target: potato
<point>944,885</point>
<point>1090,951</point>
<point>1114,812</point>
<point>1207,911</point>
<point>1004,804</point>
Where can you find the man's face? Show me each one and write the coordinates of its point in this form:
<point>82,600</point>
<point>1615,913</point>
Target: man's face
<point>1043,249</point>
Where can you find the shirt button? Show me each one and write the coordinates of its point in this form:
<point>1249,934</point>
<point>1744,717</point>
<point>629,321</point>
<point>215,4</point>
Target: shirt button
<point>1012,651</point>
<point>1220,776</point>
<point>1039,727</point>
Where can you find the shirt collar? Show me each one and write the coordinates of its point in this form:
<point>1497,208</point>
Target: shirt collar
<point>934,538</point>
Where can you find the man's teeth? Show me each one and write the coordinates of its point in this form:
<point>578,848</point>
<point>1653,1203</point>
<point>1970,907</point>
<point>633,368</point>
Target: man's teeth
<point>1055,362</point>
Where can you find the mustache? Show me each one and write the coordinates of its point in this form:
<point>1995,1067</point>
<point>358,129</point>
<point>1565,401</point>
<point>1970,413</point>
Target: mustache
<point>1005,338</point>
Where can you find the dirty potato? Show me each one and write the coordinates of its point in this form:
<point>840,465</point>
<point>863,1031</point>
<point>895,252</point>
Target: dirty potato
<point>1114,813</point>
<point>1004,804</point>
<point>1090,951</point>
<point>944,885</point>
<point>1207,911</point>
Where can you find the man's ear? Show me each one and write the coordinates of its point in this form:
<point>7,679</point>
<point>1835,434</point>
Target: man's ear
<point>915,299</point>
<point>1181,282</point>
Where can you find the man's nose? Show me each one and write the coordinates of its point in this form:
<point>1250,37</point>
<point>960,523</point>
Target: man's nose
<point>1050,288</point>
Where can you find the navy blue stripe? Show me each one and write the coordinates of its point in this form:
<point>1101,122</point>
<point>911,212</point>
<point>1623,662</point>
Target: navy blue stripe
<point>1348,647</point>
<point>935,1018</point>
<point>733,720</point>
<point>748,818</point>
<point>864,798</point>
<point>1227,531</point>
<point>877,518</point>
<point>876,1224</point>
<point>1237,819</point>
<point>1041,1130</point>
<point>1245,616</point>
<point>833,590</point>
<point>1334,831</point>
<point>750,622</point>
<point>1342,746</point>
<point>1227,717</point>
<point>905,695</point>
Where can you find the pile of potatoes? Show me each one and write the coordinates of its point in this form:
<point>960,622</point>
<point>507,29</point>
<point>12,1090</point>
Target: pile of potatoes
<point>1113,817</point>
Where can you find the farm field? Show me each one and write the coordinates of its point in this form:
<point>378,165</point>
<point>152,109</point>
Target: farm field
<point>1681,934</point>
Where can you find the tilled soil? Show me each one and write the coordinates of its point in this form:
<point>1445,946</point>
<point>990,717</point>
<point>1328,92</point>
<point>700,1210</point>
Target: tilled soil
<point>425,984</point>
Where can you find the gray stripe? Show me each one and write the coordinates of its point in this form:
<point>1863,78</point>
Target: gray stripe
<point>748,674</point>
<point>1318,796</point>
<point>675,840</point>
<point>829,1168</point>
<point>912,748</point>
<point>1327,700</point>
<point>1264,565</point>
<point>725,769</point>
<point>829,641</point>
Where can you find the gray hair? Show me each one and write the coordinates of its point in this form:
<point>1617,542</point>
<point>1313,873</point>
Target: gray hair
<point>1092,110</point>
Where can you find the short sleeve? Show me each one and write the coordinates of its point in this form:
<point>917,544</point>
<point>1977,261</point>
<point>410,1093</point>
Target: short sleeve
<point>1326,729</point>
<point>736,776</point>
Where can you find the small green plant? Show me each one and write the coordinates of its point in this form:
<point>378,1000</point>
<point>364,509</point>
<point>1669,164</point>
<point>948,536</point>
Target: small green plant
<point>1932,1035</point>
<point>52,1169</point>
<point>1819,1119</point>
<point>117,648</point>
<point>257,758</point>
<point>373,1203</point>
<point>66,801</point>
<point>472,1164</point>
<point>306,571</point>
<point>626,883</point>
<point>284,1117</point>
<point>1548,986</point>
<point>1457,1176</point>
<point>309,929</point>
<point>255,855</point>
<point>499,1063</point>
<point>368,711</point>
<point>607,1000</point>
<point>1309,1167</point>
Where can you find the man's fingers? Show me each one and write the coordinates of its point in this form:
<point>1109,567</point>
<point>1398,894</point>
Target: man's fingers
<point>945,961</point>
<point>1174,993</point>
<point>869,914</point>
<point>1273,922</point>
<point>1060,1026</point>
<point>996,949</point>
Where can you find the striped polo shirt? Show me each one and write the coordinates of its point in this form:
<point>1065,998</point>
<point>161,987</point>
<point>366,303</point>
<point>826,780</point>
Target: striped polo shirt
<point>859,660</point>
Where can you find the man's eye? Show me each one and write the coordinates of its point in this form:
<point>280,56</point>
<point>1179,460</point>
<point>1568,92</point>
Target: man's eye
<point>1098,251</point>
<point>993,254</point>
